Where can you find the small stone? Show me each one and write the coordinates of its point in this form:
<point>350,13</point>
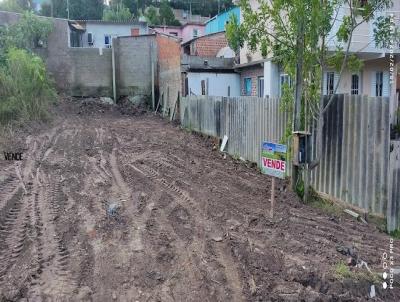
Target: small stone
<point>217,238</point>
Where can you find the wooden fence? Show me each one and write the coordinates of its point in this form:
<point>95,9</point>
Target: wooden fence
<point>354,166</point>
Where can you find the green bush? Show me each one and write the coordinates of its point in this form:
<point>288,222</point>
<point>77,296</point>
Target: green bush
<point>25,87</point>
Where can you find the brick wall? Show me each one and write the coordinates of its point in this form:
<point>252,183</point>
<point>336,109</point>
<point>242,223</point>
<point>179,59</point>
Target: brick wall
<point>208,46</point>
<point>169,70</point>
<point>253,73</point>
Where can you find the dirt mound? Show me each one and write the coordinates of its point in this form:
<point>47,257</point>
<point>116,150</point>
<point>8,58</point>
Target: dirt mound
<point>110,207</point>
<point>92,106</point>
<point>129,106</point>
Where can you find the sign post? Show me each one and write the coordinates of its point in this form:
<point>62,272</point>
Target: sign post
<point>273,163</point>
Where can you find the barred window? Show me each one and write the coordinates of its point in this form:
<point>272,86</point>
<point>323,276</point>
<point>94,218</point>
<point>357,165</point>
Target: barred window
<point>355,84</point>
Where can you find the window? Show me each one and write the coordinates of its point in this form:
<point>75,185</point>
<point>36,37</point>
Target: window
<point>75,39</point>
<point>284,79</point>
<point>90,39</point>
<point>107,41</point>
<point>330,82</point>
<point>195,33</point>
<point>204,87</point>
<point>355,84</point>
<point>260,87</point>
<point>247,86</point>
<point>379,83</point>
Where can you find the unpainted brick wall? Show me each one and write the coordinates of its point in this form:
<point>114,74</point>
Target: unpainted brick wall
<point>251,72</point>
<point>169,70</point>
<point>208,46</point>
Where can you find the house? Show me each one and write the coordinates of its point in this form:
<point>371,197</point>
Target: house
<point>209,76</point>
<point>184,17</point>
<point>170,30</point>
<point>218,22</point>
<point>99,33</point>
<point>260,76</point>
<point>212,45</point>
<point>192,30</point>
<point>185,32</point>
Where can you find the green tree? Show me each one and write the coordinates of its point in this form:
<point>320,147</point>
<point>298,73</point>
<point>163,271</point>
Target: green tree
<point>54,8</point>
<point>152,16</point>
<point>132,5</point>
<point>295,34</point>
<point>167,16</point>
<point>202,7</point>
<point>15,5</point>
<point>25,87</point>
<point>78,9</point>
<point>86,9</point>
<point>117,12</point>
<point>30,32</point>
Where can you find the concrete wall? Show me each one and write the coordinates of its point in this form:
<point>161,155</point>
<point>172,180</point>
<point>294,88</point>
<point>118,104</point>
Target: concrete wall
<point>80,72</point>
<point>90,72</point>
<point>363,36</point>
<point>246,55</point>
<point>271,79</point>
<point>218,83</point>
<point>133,64</point>
<point>169,71</point>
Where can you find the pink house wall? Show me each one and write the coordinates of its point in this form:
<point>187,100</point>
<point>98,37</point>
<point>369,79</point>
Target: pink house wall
<point>169,30</point>
<point>187,31</point>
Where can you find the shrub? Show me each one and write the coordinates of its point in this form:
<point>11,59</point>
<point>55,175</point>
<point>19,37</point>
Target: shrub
<point>25,87</point>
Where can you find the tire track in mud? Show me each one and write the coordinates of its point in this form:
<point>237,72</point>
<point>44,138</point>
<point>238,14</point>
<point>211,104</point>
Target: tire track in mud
<point>7,189</point>
<point>183,200</point>
<point>9,220</point>
<point>126,198</point>
<point>54,279</point>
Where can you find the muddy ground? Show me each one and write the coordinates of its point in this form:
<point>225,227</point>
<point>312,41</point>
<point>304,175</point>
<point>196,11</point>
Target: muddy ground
<point>107,206</point>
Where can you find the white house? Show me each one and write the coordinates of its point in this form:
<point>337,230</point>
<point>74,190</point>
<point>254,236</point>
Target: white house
<point>99,33</point>
<point>209,76</point>
<point>260,76</point>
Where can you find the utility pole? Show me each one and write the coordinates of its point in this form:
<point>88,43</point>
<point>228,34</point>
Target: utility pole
<point>68,9</point>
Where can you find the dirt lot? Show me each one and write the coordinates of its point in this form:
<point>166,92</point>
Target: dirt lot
<point>113,207</point>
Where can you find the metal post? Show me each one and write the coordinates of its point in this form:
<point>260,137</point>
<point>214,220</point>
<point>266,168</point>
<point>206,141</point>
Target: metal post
<point>113,70</point>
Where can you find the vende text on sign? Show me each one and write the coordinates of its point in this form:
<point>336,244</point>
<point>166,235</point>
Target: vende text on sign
<point>273,159</point>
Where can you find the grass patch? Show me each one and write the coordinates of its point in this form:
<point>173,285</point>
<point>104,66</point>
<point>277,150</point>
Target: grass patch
<point>342,271</point>
<point>395,234</point>
<point>25,88</point>
<point>326,206</point>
